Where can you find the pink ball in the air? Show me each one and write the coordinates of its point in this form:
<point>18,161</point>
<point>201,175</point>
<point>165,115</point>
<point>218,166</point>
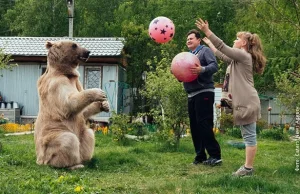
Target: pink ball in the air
<point>181,66</point>
<point>161,29</point>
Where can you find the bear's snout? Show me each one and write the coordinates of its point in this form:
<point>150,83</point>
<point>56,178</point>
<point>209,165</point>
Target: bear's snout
<point>85,55</point>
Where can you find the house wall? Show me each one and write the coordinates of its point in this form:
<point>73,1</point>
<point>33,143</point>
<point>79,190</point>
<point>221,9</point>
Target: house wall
<point>278,115</point>
<point>218,94</point>
<point>19,86</point>
<point>125,100</point>
<point>110,86</point>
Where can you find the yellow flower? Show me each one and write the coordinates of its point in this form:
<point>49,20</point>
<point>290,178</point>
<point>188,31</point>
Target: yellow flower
<point>105,130</point>
<point>78,189</point>
<point>14,127</point>
<point>60,179</point>
<point>216,130</point>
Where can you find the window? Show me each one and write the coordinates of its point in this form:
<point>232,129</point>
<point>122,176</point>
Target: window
<point>93,77</point>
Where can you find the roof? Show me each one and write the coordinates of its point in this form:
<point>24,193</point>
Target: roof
<point>35,46</point>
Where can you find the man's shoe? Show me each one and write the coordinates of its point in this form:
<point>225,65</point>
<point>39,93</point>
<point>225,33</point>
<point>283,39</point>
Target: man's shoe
<point>242,171</point>
<point>198,160</point>
<point>213,161</point>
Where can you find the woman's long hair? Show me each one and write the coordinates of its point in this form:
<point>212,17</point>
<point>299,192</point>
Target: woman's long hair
<point>255,49</point>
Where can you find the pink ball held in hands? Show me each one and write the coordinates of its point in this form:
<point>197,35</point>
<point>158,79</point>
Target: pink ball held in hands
<point>181,66</point>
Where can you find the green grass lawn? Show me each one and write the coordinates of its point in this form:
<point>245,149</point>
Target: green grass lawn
<point>147,167</point>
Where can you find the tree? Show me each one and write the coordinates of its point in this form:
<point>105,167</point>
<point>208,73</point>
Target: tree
<point>96,18</point>
<point>4,26</point>
<point>38,18</point>
<point>167,97</point>
<point>288,85</point>
<point>277,23</point>
<point>4,62</point>
<point>133,18</point>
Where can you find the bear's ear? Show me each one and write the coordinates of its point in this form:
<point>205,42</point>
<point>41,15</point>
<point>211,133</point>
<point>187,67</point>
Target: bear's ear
<point>49,44</point>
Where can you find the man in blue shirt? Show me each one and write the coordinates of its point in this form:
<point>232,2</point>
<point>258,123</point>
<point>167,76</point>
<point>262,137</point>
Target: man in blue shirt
<point>201,101</point>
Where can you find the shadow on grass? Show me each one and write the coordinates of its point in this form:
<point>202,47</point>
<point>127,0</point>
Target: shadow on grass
<point>247,184</point>
<point>113,161</point>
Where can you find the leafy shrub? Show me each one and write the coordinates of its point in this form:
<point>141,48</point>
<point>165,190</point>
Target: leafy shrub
<point>234,132</point>
<point>138,129</point>
<point>166,140</point>
<point>226,121</point>
<point>260,125</point>
<point>274,134</point>
<point>3,121</point>
<point>119,127</point>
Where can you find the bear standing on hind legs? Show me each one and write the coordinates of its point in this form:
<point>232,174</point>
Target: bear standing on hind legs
<point>62,138</point>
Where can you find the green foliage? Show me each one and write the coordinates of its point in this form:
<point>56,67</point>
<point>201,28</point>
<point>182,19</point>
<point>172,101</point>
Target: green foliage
<point>96,18</point>
<point>234,132</point>
<point>166,94</point>
<point>260,125</point>
<point>273,21</point>
<point>137,129</point>
<point>166,140</point>
<point>1,131</point>
<point>226,121</point>
<point>276,68</point>
<point>288,85</point>
<point>38,18</point>
<point>120,127</point>
<point>4,26</point>
<point>274,134</point>
<point>4,62</point>
<point>3,121</point>
<point>141,168</point>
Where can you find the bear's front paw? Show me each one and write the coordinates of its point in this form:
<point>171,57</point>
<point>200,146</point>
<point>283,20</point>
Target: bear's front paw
<point>99,94</point>
<point>105,106</point>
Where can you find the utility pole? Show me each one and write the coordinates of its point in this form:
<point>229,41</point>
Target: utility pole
<point>70,5</point>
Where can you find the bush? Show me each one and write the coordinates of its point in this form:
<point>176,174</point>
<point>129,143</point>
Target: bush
<point>234,132</point>
<point>226,121</point>
<point>165,140</point>
<point>3,121</point>
<point>138,129</point>
<point>260,125</point>
<point>119,127</point>
<point>274,134</point>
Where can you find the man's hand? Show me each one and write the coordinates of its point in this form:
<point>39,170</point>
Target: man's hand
<point>196,69</point>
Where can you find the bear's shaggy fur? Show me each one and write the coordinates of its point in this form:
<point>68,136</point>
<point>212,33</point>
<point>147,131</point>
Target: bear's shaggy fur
<point>62,138</point>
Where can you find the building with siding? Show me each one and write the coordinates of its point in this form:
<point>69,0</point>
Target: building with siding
<point>105,69</point>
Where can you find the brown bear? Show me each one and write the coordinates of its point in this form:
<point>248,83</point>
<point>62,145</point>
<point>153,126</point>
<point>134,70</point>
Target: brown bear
<point>62,138</point>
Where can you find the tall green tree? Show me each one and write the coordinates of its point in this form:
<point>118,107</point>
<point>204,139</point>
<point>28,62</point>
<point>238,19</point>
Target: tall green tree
<point>288,85</point>
<point>277,23</point>
<point>134,17</point>
<point>4,26</point>
<point>5,62</point>
<point>167,97</point>
<point>96,18</point>
<point>92,18</point>
<point>38,18</point>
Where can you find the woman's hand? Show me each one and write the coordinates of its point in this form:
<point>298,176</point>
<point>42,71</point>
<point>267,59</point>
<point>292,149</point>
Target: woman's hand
<point>203,26</point>
<point>207,41</point>
<point>210,44</point>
